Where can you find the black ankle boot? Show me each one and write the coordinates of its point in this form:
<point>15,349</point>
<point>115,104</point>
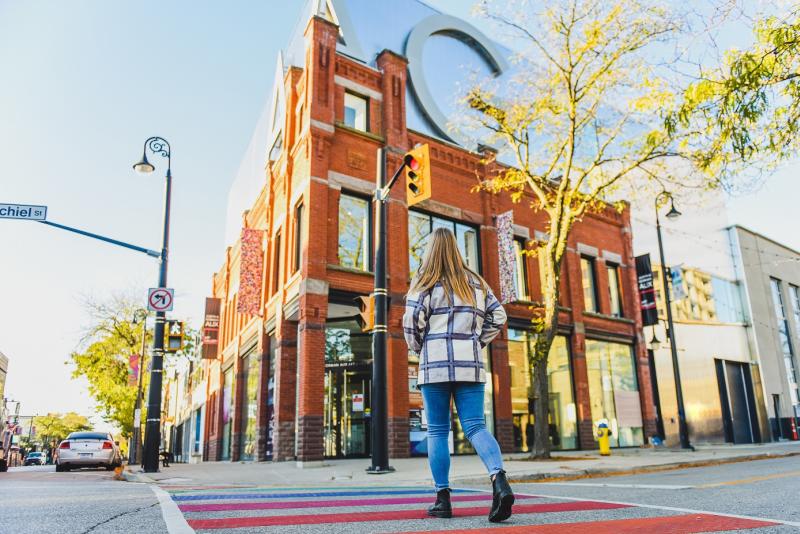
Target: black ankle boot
<point>502,498</point>
<point>441,508</point>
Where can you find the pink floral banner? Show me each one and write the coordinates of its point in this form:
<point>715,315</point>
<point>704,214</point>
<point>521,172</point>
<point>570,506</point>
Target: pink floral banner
<point>250,272</point>
<point>133,369</point>
<point>506,255</point>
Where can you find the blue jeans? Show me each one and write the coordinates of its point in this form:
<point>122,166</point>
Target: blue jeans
<point>469,404</point>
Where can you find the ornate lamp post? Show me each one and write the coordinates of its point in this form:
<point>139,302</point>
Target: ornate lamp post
<point>152,431</point>
<point>683,429</point>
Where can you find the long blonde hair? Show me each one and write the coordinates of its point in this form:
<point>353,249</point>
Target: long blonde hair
<point>442,262</point>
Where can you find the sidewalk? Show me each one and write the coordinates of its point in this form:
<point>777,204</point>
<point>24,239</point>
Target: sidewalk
<point>464,469</point>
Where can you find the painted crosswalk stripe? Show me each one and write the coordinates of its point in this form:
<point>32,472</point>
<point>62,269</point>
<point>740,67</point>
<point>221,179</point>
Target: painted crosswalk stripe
<point>288,505</point>
<point>225,496</point>
<point>685,524</point>
<point>394,515</point>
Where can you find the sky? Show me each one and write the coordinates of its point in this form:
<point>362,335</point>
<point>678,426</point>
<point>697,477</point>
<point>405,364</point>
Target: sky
<point>84,84</point>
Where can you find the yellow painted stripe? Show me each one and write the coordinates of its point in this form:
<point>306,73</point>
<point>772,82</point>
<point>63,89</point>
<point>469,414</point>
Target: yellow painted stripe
<point>750,480</point>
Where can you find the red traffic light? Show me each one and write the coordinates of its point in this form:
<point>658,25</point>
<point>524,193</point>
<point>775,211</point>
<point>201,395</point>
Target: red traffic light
<point>411,162</point>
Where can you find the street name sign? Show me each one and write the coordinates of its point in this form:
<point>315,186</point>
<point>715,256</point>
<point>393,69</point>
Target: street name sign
<point>160,299</point>
<point>23,211</point>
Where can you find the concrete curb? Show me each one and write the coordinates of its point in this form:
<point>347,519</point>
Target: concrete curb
<point>130,476</point>
<point>612,471</point>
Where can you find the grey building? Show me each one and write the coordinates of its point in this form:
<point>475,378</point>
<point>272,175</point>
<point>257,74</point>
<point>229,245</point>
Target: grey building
<point>770,273</point>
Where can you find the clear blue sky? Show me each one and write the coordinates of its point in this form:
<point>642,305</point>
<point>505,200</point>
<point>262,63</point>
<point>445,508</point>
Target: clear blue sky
<point>83,84</point>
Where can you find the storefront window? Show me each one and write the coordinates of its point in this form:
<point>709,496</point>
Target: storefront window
<point>249,407</point>
<point>354,232</point>
<point>563,422</point>
<point>227,413</point>
<point>422,225</point>
<point>614,391</point>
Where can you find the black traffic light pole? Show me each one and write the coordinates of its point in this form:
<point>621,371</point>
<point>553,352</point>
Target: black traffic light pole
<point>378,398</point>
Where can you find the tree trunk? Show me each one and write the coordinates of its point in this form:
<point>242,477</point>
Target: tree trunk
<point>541,427</point>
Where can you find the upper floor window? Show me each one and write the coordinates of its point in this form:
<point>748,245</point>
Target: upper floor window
<point>276,263</point>
<point>589,284</point>
<point>355,111</point>
<point>614,290</point>
<point>785,340</point>
<point>521,272</point>
<point>354,233</point>
<point>422,225</point>
<point>794,295</point>
<point>275,151</point>
<point>298,236</point>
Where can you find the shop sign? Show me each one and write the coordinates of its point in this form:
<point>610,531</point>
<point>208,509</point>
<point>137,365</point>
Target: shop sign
<point>211,329</point>
<point>647,291</point>
<point>358,402</point>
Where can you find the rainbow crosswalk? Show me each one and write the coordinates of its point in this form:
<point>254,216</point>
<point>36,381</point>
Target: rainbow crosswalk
<point>368,509</point>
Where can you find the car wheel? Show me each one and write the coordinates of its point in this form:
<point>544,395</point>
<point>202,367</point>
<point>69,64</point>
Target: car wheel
<point>61,468</point>
<point>110,467</point>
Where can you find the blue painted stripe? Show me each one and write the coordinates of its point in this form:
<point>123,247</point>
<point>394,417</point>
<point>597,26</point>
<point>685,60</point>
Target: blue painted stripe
<point>222,496</point>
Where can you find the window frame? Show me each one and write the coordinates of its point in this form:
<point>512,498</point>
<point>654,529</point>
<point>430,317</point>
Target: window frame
<point>370,230</point>
<point>276,262</point>
<point>366,101</point>
<point>592,263</point>
<point>521,259</point>
<point>297,230</point>
<point>431,215</point>
<point>615,268</point>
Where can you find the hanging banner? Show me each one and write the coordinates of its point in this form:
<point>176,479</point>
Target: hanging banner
<point>211,329</point>
<point>133,369</point>
<point>250,272</point>
<point>507,256</point>
<point>676,281</point>
<point>647,292</point>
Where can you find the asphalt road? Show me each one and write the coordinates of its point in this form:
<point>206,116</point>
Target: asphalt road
<point>37,500</point>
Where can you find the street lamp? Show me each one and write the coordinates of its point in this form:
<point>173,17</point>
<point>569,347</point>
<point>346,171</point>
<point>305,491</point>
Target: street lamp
<point>673,214</point>
<point>152,429</point>
<point>655,343</point>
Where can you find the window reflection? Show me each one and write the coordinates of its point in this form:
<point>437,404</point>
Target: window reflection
<point>422,225</point>
<point>354,232</point>
<point>563,422</point>
<point>614,391</point>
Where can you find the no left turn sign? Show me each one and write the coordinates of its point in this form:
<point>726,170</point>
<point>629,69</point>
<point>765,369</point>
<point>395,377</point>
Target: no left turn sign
<point>160,299</point>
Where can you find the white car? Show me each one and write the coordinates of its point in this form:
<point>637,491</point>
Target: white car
<point>88,449</point>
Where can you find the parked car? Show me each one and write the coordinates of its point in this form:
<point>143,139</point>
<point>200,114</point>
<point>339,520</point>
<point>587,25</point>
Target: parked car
<point>88,449</point>
<point>35,458</point>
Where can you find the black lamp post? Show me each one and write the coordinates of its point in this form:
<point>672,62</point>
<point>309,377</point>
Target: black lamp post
<point>683,429</point>
<point>152,430</point>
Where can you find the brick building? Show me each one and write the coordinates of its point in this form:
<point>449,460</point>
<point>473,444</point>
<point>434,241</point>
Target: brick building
<point>291,378</point>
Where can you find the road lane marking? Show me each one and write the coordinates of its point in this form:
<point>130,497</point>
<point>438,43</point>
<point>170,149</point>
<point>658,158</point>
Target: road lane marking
<point>173,517</point>
<point>670,508</point>
<point>687,524</point>
<point>394,515</point>
<point>749,480</point>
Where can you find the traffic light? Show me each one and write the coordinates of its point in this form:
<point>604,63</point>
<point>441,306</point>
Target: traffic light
<point>418,174</point>
<point>173,334</point>
<point>366,317</point>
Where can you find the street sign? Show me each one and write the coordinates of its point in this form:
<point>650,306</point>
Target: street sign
<point>23,211</point>
<point>160,299</point>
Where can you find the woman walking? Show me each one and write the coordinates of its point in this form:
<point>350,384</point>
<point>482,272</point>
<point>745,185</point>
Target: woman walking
<point>451,314</point>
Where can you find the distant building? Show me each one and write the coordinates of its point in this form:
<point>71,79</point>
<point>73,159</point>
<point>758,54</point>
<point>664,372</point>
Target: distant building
<point>771,275</point>
<point>720,371</point>
<point>3,373</point>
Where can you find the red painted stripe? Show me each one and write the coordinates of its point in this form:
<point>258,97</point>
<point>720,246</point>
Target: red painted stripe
<point>676,524</point>
<point>281,505</point>
<point>396,515</point>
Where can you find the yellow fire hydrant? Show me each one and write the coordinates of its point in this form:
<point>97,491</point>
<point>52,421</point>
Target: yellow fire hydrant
<point>603,439</point>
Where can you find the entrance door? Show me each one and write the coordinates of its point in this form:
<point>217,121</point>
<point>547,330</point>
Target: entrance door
<point>347,429</point>
<point>736,397</point>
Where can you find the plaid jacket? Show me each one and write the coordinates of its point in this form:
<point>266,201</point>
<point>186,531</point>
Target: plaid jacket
<point>449,338</point>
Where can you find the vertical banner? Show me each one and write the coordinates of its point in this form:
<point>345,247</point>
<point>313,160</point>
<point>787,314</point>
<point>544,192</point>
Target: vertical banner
<point>507,256</point>
<point>676,283</point>
<point>133,369</point>
<point>211,329</point>
<point>647,292</point>
<point>250,272</point>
